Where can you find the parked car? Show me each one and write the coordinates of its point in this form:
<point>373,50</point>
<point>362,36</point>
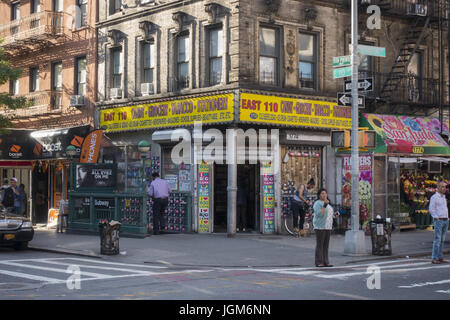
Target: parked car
<point>16,230</point>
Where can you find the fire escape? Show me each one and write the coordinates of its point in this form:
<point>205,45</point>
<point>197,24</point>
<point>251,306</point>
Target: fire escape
<point>25,37</point>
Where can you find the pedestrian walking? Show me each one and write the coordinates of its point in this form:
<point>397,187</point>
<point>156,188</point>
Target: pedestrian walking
<point>439,211</point>
<point>159,191</point>
<point>3,188</point>
<point>10,195</point>
<point>323,223</point>
<point>300,205</point>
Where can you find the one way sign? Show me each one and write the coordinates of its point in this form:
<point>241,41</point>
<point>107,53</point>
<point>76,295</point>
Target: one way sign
<point>345,99</point>
<point>363,85</point>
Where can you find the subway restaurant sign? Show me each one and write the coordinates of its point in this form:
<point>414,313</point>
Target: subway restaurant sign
<point>293,112</point>
<point>173,113</point>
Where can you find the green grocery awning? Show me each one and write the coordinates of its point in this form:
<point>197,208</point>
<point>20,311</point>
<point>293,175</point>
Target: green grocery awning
<point>406,134</point>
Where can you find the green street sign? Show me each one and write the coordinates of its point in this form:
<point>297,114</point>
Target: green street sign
<point>342,61</point>
<point>371,51</point>
<point>342,72</point>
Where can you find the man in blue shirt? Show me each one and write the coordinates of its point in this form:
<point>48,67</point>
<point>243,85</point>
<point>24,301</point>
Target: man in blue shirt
<point>439,212</point>
<point>159,192</point>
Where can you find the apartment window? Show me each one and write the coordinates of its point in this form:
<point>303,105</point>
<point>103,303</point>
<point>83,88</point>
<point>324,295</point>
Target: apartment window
<point>116,68</point>
<point>14,87</point>
<point>80,76</point>
<point>34,79</point>
<point>15,11</point>
<point>57,76</point>
<point>415,77</point>
<point>183,54</point>
<point>58,5</point>
<point>81,13</point>
<point>148,62</point>
<point>307,60</point>
<point>114,6</point>
<point>268,56</point>
<point>215,56</point>
<point>35,6</point>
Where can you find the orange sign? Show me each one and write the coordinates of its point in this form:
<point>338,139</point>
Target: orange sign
<point>91,147</point>
<point>52,217</point>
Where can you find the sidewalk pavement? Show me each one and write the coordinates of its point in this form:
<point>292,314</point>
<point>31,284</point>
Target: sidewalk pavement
<point>218,250</point>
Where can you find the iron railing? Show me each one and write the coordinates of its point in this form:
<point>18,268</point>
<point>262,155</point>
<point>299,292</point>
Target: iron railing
<point>411,89</point>
<point>40,25</point>
<point>42,103</point>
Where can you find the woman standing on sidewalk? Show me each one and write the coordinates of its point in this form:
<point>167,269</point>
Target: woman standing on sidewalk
<point>323,223</point>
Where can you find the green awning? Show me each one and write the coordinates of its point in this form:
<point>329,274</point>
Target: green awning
<point>406,134</point>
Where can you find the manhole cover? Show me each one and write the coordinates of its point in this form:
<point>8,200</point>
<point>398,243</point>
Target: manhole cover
<point>18,286</point>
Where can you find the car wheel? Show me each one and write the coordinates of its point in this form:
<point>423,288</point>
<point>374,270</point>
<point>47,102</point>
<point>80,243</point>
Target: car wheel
<point>20,245</point>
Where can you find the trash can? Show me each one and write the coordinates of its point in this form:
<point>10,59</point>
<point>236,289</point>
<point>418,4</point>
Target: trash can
<point>109,237</point>
<point>380,231</point>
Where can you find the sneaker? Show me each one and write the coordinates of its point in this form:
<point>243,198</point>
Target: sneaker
<point>441,260</point>
<point>435,262</point>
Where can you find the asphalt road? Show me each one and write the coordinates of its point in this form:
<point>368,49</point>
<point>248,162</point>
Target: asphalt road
<point>46,276</point>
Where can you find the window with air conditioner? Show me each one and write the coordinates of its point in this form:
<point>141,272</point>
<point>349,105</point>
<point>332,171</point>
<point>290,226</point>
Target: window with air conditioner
<point>148,58</point>
<point>215,56</point>
<point>58,5</point>
<point>269,56</point>
<point>308,60</point>
<point>80,76</point>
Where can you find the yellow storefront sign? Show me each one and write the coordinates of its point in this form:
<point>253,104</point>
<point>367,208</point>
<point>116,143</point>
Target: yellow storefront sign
<point>173,113</point>
<point>293,112</point>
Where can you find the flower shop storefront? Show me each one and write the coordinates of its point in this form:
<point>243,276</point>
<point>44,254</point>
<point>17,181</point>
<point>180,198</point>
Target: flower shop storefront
<point>410,158</point>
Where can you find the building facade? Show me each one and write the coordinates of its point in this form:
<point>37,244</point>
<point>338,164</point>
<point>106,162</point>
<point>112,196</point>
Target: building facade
<point>238,66</point>
<point>54,43</point>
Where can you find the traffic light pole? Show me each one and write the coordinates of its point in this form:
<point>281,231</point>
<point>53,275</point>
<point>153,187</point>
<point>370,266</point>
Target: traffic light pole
<point>354,239</point>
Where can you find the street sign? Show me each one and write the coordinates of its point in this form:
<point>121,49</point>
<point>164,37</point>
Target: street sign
<point>363,85</point>
<point>342,72</point>
<point>345,99</point>
<point>372,51</point>
<point>342,61</point>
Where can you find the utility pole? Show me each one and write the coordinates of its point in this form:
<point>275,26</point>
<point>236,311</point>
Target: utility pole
<point>355,242</point>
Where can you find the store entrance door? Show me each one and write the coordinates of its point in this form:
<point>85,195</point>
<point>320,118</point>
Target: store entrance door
<point>248,198</point>
<point>40,196</point>
<point>248,181</point>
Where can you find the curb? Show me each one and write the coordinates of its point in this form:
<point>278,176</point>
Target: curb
<point>65,251</point>
<point>399,256</point>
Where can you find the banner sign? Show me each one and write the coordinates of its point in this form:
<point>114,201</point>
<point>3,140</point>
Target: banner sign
<point>365,186</point>
<point>269,198</point>
<point>404,134</point>
<point>41,144</point>
<point>294,112</point>
<point>203,197</point>
<point>96,176</point>
<point>173,113</point>
<point>91,147</point>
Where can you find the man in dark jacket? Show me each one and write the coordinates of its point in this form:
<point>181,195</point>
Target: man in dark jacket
<point>8,196</point>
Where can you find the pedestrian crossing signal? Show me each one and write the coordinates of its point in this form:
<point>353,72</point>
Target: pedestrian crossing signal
<point>340,139</point>
<point>367,139</point>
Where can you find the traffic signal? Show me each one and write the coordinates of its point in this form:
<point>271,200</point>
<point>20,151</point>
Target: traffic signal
<point>367,139</point>
<point>340,139</point>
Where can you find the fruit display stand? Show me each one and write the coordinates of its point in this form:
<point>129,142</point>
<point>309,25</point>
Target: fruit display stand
<point>418,187</point>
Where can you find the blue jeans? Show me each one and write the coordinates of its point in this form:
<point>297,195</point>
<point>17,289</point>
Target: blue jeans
<point>440,228</point>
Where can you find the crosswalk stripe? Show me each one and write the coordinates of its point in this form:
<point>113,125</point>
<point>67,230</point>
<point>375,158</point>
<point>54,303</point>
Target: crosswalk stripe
<point>93,267</point>
<point>118,263</point>
<point>31,277</point>
<point>90,274</point>
<point>424,284</point>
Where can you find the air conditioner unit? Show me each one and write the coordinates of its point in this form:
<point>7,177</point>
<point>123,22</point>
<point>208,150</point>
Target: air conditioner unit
<point>146,89</point>
<point>115,93</point>
<point>76,101</point>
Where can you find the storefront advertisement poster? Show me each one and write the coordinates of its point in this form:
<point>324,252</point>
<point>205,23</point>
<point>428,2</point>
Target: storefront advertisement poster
<point>184,180</point>
<point>269,199</point>
<point>293,112</point>
<point>203,197</point>
<point>365,185</point>
<point>172,113</point>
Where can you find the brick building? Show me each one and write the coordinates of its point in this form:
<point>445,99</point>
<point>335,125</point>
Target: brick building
<point>54,43</point>
<point>160,62</point>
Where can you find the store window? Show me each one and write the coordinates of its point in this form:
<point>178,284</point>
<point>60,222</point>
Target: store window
<point>34,79</point>
<point>269,56</point>
<point>308,60</point>
<point>177,175</point>
<point>299,165</point>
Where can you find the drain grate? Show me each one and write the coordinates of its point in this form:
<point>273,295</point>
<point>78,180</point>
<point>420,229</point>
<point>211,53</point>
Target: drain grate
<point>11,286</point>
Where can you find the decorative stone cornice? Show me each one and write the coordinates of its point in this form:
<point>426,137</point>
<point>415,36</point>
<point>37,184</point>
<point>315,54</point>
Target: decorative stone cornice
<point>148,27</point>
<point>213,9</point>
<point>114,37</point>
<point>178,17</point>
